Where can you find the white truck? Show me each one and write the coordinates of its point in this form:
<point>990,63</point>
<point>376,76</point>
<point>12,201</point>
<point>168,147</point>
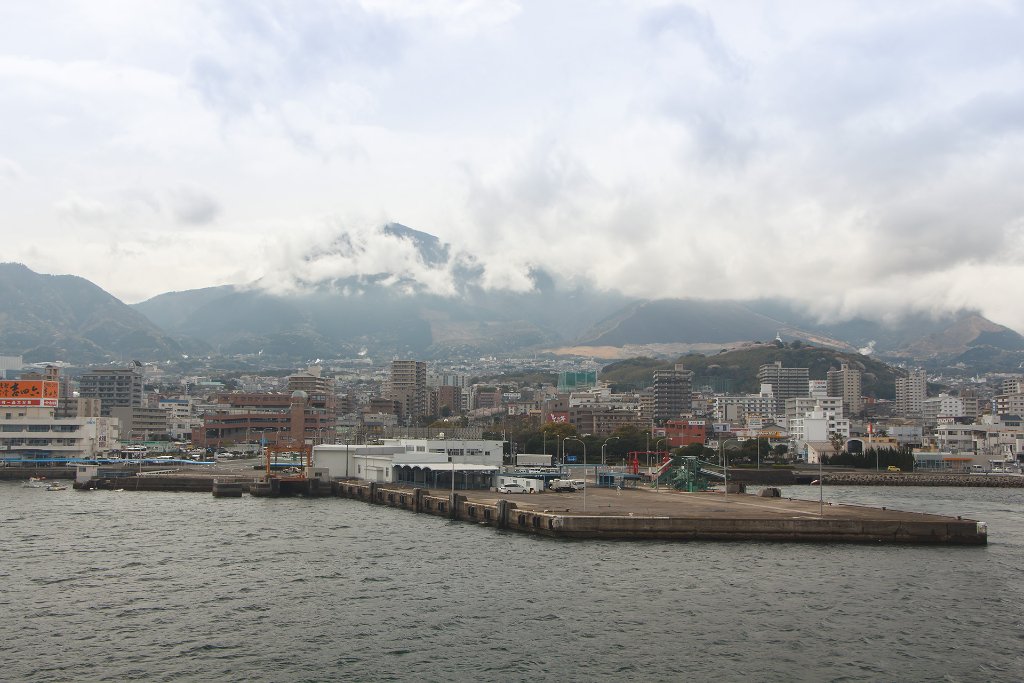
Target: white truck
<point>566,485</point>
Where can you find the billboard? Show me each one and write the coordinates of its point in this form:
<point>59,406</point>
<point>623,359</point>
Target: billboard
<point>34,393</point>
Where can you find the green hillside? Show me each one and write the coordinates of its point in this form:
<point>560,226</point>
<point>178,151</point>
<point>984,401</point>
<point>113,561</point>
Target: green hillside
<point>736,371</point>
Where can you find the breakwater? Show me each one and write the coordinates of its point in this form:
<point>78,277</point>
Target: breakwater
<point>921,479</point>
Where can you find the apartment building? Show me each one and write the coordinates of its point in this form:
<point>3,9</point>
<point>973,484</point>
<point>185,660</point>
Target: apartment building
<point>911,391</point>
<point>785,382</point>
<point>114,387</point>
<point>673,393</point>
<point>407,384</point>
<point>846,383</point>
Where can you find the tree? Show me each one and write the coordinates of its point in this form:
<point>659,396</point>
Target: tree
<point>838,441</point>
<point>558,430</point>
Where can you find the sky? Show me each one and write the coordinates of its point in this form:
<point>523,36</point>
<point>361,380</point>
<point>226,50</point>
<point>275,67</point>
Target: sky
<point>862,157</point>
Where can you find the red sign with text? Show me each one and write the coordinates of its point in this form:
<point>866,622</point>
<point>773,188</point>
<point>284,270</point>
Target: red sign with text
<point>33,393</point>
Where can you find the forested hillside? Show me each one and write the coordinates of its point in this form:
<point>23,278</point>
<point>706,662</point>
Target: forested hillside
<point>736,371</point>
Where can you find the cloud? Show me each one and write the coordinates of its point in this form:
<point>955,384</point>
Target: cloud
<point>343,258</point>
<point>259,54</point>
<point>85,211</point>
<point>10,171</point>
<point>193,207</point>
<point>859,160</point>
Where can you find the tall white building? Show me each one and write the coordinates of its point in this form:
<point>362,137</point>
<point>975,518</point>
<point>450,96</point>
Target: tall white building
<point>911,392</point>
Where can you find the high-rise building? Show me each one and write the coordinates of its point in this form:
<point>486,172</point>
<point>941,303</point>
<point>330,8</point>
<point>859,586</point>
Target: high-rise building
<point>408,385</point>
<point>911,391</point>
<point>786,382</point>
<point>114,387</point>
<point>673,393</point>
<point>846,383</point>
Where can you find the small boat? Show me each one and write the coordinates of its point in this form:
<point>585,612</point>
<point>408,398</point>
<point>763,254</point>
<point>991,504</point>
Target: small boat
<point>816,482</point>
<point>56,487</point>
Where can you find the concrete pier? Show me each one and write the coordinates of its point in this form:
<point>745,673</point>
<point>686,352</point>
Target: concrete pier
<point>629,514</point>
<point>671,515</point>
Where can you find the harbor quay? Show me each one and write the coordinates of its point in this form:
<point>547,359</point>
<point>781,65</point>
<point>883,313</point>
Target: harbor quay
<point>636,514</point>
<point>597,513</point>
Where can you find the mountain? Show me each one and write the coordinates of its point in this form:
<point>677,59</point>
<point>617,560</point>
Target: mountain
<point>391,313</point>
<point>737,369</point>
<point>327,324</point>
<point>954,341</point>
<point>394,313</point>
<point>429,303</point>
<point>691,321</point>
<point>65,317</point>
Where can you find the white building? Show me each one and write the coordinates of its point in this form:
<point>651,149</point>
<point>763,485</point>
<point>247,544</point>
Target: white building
<point>940,406</point>
<point>799,407</point>
<point>818,425</point>
<point>810,435</point>
<point>34,433</point>
<point>429,463</point>
<point>994,437</point>
<point>739,408</point>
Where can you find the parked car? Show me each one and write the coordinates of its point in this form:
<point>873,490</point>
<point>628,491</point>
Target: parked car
<point>893,468</point>
<point>512,487</point>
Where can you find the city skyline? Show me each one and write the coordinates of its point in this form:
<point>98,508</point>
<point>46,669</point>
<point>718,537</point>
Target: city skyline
<point>857,157</point>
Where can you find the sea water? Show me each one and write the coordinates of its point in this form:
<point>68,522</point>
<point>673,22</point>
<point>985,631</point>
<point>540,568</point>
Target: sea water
<point>120,586</point>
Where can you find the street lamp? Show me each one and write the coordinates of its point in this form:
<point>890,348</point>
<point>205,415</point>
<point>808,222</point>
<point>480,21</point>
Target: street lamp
<point>725,464</point>
<point>612,438</point>
<point>572,438</point>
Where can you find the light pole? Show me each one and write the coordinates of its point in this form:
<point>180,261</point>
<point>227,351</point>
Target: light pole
<point>725,465</point>
<point>821,487</point>
<point>611,438</point>
<point>573,438</point>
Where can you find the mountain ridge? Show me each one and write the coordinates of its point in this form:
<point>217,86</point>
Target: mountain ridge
<point>334,313</point>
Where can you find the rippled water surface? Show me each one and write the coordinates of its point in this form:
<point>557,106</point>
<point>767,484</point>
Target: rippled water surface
<point>147,586</point>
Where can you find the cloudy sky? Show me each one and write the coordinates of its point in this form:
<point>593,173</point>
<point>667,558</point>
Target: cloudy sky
<point>865,157</point>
